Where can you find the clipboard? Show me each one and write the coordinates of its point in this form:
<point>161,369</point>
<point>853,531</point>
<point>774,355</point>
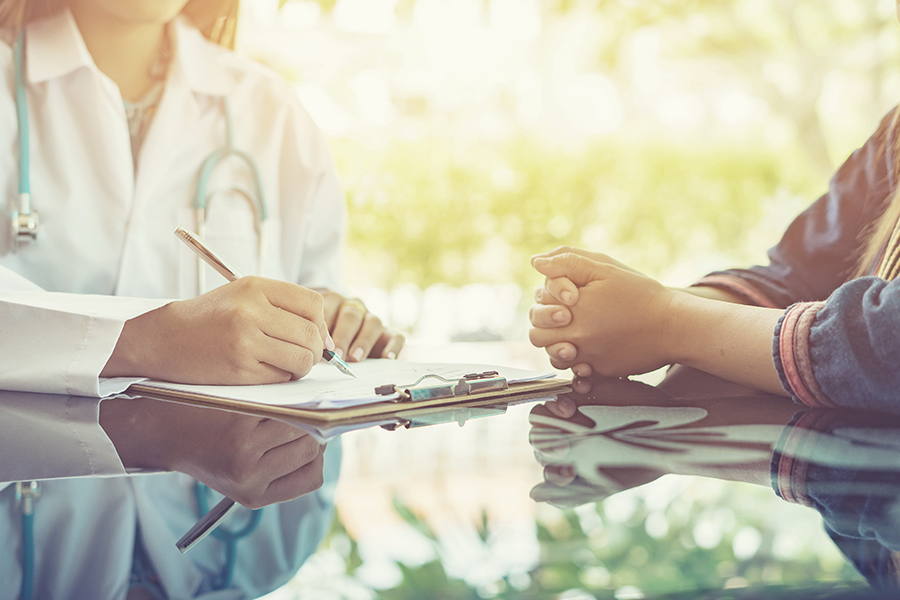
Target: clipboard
<point>430,391</point>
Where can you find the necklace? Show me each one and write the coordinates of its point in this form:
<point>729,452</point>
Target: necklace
<point>140,113</point>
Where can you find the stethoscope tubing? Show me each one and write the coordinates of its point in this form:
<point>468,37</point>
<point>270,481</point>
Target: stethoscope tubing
<point>200,203</point>
<point>24,186</point>
<point>201,197</point>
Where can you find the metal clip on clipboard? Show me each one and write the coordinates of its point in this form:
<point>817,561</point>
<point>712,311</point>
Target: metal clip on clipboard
<point>473,383</point>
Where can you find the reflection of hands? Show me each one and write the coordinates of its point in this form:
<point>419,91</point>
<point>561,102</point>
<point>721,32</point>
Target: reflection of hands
<point>570,477</point>
<point>254,461</point>
<point>596,314</point>
<point>615,434</point>
<point>358,333</point>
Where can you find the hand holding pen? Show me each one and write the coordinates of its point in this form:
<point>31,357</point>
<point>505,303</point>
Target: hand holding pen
<point>250,331</point>
<point>294,317</point>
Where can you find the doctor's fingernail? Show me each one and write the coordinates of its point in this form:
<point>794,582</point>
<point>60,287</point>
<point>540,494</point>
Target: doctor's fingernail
<point>357,354</point>
<point>392,356</point>
<point>567,297</point>
<point>560,316</point>
<point>329,342</point>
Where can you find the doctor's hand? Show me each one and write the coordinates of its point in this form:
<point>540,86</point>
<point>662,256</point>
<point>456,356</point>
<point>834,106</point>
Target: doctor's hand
<point>254,461</point>
<point>357,333</point>
<point>250,331</point>
<point>620,324</point>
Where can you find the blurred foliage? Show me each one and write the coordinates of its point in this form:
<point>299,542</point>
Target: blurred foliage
<point>819,592</point>
<point>435,212</point>
<point>451,210</point>
<point>807,40</point>
<point>783,51</point>
<point>595,552</point>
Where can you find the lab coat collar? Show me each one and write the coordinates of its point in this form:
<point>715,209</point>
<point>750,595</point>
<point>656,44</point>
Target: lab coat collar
<point>200,62</point>
<point>56,48</point>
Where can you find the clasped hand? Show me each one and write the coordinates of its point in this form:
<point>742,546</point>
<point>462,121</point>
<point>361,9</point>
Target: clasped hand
<point>596,315</point>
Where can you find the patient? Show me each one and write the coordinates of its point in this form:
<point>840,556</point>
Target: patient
<point>819,323</point>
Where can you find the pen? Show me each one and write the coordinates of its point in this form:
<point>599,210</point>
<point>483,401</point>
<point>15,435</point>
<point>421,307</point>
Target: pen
<point>226,506</point>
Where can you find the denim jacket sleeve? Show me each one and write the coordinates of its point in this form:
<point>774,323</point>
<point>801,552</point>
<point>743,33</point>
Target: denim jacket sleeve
<point>837,344</point>
<point>844,464</point>
<point>819,248</point>
<point>844,351</point>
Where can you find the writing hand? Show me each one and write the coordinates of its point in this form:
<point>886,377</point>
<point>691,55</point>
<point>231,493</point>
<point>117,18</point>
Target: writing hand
<point>249,331</point>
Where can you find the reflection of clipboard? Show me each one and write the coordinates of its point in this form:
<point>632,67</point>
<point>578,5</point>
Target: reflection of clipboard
<point>429,391</point>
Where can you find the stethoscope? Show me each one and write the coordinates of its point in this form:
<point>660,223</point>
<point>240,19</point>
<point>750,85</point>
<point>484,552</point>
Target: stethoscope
<point>25,226</point>
<point>25,221</point>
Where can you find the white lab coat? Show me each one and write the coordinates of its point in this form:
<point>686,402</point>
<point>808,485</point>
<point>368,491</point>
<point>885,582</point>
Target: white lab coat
<point>105,253</point>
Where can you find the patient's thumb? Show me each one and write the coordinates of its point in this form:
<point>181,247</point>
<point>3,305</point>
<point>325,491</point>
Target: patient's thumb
<point>578,269</point>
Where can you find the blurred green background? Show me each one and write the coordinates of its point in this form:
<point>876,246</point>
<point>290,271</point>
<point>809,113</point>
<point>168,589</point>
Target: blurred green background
<point>678,136</point>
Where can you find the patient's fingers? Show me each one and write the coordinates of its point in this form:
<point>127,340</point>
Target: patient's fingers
<point>561,365</point>
<point>559,474</point>
<point>543,296</point>
<point>562,289</point>
<point>583,370</point>
<point>578,269</point>
<point>558,290</point>
<point>564,351</point>
<point>582,386</point>
<point>543,337</point>
<point>549,316</point>
<point>572,250</point>
<point>562,407</point>
<point>596,256</point>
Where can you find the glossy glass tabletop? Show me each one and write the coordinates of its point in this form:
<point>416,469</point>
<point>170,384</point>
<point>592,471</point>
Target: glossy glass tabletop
<point>692,488</point>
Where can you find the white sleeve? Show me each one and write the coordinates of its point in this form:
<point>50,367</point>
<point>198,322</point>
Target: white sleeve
<point>58,343</point>
<point>45,436</point>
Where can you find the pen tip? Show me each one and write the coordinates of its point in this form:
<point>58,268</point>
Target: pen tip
<point>341,365</point>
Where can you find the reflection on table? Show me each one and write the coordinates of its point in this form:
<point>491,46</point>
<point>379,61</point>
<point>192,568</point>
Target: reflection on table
<point>613,435</point>
<point>659,475</point>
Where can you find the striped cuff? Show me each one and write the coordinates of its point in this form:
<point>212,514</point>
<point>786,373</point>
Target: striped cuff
<point>738,286</point>
<point>790,349</point>
<point>788,467</point>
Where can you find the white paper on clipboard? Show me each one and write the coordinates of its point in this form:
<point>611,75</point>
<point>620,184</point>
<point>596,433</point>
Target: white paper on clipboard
<point>326,387</point>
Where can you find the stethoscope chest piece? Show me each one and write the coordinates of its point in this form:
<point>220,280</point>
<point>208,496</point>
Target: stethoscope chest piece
<point>24,223</point>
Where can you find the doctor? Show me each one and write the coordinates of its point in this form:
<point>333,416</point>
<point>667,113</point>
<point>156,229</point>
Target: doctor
<point>123,119</point>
